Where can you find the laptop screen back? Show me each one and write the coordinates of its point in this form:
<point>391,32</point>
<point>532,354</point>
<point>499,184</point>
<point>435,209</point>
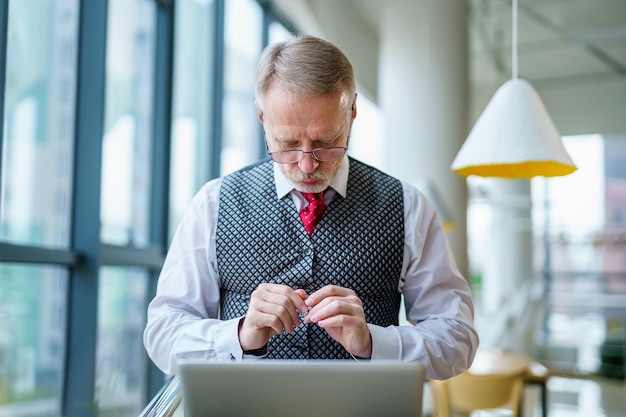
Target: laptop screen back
<point>301,389</point>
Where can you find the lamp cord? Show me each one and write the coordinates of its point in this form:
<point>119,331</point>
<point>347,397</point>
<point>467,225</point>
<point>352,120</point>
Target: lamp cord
<point>514,40</point>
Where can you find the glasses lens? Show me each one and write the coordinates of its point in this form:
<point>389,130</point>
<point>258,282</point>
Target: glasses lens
<point>320,154</point>
<point>286,157</point>
<point>329,154</point>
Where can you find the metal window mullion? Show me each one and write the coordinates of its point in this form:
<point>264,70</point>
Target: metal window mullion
<point>79,390</point>
<point>4,23</point>
<point>30,254</point>
<point>160,187</point>
<point>218,90</point>
<point>149,258</point>
<point>265,39</point>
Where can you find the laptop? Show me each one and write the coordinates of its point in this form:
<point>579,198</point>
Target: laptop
<point>290,388</point>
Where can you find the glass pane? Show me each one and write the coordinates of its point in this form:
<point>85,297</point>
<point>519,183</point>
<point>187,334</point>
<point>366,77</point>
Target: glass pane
<point>120,361</point>
<point>580,234</point>
<point>241,142</point>
<point>127,142</point>
<point>193,72</point>
<point>32,339</point>
<point>37,146</point>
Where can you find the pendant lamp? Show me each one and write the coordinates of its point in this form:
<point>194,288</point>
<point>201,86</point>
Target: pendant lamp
<point>514,137</point>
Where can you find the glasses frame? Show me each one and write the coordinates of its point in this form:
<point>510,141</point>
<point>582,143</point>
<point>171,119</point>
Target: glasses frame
<point>302,153</point>
<point>312,152</point>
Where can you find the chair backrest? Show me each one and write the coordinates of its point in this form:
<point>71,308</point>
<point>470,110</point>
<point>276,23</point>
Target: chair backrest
<point>468,392</point>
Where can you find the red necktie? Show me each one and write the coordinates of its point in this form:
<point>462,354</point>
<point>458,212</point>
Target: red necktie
<point>312,213</point>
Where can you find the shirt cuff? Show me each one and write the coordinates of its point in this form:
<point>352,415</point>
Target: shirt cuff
<point>385,342</point>
<point>227,340</point>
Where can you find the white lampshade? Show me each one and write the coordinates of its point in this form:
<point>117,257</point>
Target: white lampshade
<point>514,138</point>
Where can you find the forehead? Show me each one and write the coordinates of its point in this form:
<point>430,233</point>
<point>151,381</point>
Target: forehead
<point>289,116</point>
<point>285,105</point>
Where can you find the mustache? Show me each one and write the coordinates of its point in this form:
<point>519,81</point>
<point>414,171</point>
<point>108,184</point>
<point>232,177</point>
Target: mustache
<point>318,176</point>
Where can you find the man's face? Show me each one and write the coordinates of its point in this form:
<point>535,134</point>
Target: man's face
<point>296,123</point>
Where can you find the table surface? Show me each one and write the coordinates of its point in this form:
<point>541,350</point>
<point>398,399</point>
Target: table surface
<point>497,361</point>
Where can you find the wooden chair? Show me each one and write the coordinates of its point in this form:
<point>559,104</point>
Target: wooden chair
<point>468,392</point>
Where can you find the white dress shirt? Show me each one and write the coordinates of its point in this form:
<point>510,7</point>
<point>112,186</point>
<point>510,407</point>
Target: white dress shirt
<point>182,318</point>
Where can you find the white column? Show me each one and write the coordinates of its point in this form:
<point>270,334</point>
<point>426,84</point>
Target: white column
<point>508,264</point>
<point>510,303</point>
<point>423,95</point>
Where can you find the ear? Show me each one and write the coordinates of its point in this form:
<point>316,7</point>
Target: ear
<point>354,107</point>
<point>259,111</point>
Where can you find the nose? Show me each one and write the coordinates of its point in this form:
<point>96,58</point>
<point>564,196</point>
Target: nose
<point>308,164</point>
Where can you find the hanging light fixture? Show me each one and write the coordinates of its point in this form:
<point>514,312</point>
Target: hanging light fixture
<point>514,137</point>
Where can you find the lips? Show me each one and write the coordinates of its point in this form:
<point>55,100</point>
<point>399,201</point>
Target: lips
<point>309,183</point>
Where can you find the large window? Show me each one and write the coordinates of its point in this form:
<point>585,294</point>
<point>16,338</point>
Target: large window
<point>576,229</point>
<point>580,245</point>
<point>120,366</point>
<point>37,145</point>
<point>241,143</point>
<point>35,201</point>
<point>192,123</point>
<point>127,158</point>
<point>127,142</point>
<point>109,126</point>
<point>32,345</point>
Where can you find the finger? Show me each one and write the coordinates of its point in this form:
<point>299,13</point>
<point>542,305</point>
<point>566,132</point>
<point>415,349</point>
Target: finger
<point>266,315</point>
<point>290,302</point>
<point>276,303</point>
<point>352,333</point>
<point>339,320</point>
<point>295,297</point>
<point>256,329</point>
<point>274,315</point>
<point>334,306</point>
<point>325,292</point>
<point>279,323</point>
<point>287,316</point>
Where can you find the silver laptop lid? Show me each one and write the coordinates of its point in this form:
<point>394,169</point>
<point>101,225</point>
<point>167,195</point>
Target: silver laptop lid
<point>301,388</point>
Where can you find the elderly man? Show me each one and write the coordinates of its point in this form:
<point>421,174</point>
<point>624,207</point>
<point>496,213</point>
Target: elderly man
<point>306,255</point>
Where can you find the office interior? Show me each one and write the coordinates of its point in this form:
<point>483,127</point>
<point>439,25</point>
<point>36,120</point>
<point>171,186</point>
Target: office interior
<point>116,112</point>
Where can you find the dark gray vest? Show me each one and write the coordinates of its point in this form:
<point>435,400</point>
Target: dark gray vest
<point>358,244</point>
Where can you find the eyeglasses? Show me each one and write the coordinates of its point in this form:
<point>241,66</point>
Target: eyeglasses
<point>319,154</point>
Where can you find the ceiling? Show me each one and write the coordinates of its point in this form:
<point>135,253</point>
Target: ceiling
<point>559,41</point>
<point>573,52</point>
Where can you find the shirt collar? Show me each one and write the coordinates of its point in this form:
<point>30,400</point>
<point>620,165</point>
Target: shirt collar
<point>339,183</point>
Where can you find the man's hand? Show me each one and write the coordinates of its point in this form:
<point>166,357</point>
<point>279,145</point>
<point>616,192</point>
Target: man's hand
<point>340,312</point>
<point>273,310</point>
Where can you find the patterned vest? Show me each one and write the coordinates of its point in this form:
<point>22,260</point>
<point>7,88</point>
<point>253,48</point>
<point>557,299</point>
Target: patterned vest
<point>358,244</point>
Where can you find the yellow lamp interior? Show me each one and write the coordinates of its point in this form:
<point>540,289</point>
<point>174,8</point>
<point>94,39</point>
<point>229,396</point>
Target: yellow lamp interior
<point>526,169</point>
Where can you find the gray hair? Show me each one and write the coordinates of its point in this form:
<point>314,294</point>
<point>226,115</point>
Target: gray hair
<point>306,66</point>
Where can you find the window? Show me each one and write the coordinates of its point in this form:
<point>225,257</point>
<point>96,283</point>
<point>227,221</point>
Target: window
<point>103,146</point>
<point>125,212</point>
<point>127,142</point>
<point>241,139</point>
<point>35,201</point>
<point>120,364</point>
<point>580,239</point>
<point>192,124</point>
<point>32,346</point>
<point>37,145</point>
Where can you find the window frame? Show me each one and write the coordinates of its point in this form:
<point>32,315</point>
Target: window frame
<point>86,253</point>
